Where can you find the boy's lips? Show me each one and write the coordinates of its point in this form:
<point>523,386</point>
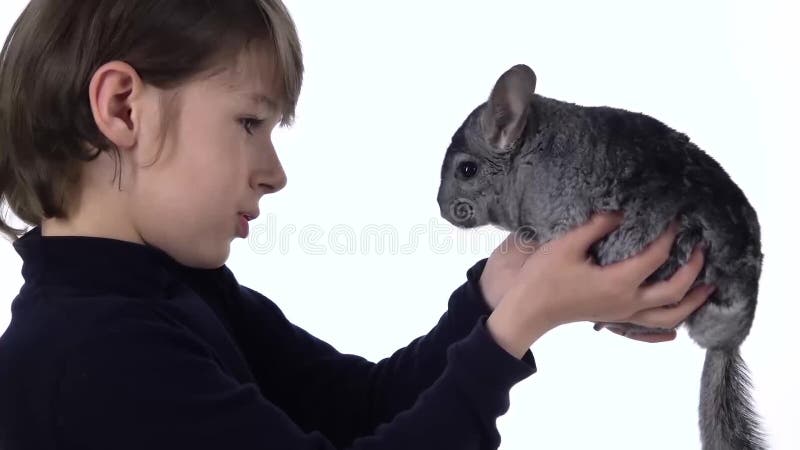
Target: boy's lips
<point>243,228</point>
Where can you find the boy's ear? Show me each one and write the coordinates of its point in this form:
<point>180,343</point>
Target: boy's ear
<point>110,95</point>
<point>506,113</point>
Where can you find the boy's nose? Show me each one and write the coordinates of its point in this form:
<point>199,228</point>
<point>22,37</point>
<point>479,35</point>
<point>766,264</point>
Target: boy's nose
<point>272,180</point>
<point>269,176</point>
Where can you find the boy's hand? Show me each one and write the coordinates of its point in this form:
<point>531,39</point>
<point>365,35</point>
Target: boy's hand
<point>503,266</point>
<point>558,283</point>
<point>647,337</point>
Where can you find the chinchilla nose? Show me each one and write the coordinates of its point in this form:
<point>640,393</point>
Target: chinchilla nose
<point>462,210</point>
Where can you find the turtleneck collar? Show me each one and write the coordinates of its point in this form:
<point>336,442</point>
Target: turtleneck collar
<point>95,264</point>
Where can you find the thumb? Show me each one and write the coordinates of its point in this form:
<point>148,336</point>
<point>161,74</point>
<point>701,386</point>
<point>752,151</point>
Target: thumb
<point>515,248</point>
<point>598,226</point>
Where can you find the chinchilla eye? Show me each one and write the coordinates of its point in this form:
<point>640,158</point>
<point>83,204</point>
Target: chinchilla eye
<point>468,169</point>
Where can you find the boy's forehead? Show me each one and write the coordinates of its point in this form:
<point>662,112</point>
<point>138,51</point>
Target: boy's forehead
<point>252,76</point>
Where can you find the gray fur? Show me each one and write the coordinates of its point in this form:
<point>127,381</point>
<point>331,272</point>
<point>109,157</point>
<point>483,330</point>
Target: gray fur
<point>548,165</point>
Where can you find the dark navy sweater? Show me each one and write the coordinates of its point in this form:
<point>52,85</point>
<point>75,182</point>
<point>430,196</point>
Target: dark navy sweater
<point>115,345</point>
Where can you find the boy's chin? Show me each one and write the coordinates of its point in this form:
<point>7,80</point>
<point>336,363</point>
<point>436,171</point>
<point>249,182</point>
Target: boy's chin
<point>203,256</point>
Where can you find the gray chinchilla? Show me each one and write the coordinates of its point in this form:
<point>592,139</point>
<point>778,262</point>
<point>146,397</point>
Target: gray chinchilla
<point>524,161</point>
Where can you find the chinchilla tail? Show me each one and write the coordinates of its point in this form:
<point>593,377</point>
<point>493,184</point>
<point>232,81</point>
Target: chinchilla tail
<point>728,420</point>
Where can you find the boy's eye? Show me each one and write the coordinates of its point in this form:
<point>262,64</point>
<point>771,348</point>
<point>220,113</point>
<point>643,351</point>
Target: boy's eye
<point>249,123</point>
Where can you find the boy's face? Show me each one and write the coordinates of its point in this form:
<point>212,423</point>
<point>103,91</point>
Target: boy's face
<point>217,162</point>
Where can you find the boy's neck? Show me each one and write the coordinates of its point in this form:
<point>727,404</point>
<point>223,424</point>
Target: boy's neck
<point>101,209</point>
<point>93,228</point>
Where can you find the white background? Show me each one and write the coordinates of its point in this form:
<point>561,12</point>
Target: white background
<point>387,84</point>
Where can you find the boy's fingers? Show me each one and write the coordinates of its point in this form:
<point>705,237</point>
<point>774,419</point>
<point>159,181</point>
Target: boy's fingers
<point>515,248</point>
<point>672,316</point>
<point>524,241</point>
<point>667,292</point>
<point>638,267</point>
<point>648,337</point>
<point>597,227</point>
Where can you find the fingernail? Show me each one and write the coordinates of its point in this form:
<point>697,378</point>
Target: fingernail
<point>710,288</point>
<point>702,248</point>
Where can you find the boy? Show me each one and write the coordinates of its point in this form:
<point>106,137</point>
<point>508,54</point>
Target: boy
<point>135,138</point>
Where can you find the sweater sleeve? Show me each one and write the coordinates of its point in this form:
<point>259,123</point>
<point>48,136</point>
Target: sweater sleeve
<point>146,383</point>
<point>346,396</point>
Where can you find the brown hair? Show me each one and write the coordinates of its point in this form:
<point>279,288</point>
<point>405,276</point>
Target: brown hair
<point>47,129</point>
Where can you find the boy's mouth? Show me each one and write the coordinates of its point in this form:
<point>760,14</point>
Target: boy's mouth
<point>244,227</point>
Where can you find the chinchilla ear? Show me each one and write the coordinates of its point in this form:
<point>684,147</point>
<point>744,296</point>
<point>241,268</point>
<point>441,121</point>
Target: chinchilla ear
<point>506,113</point>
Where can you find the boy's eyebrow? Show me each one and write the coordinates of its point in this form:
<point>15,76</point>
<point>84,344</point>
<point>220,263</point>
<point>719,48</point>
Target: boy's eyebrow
<point>260,98</point>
